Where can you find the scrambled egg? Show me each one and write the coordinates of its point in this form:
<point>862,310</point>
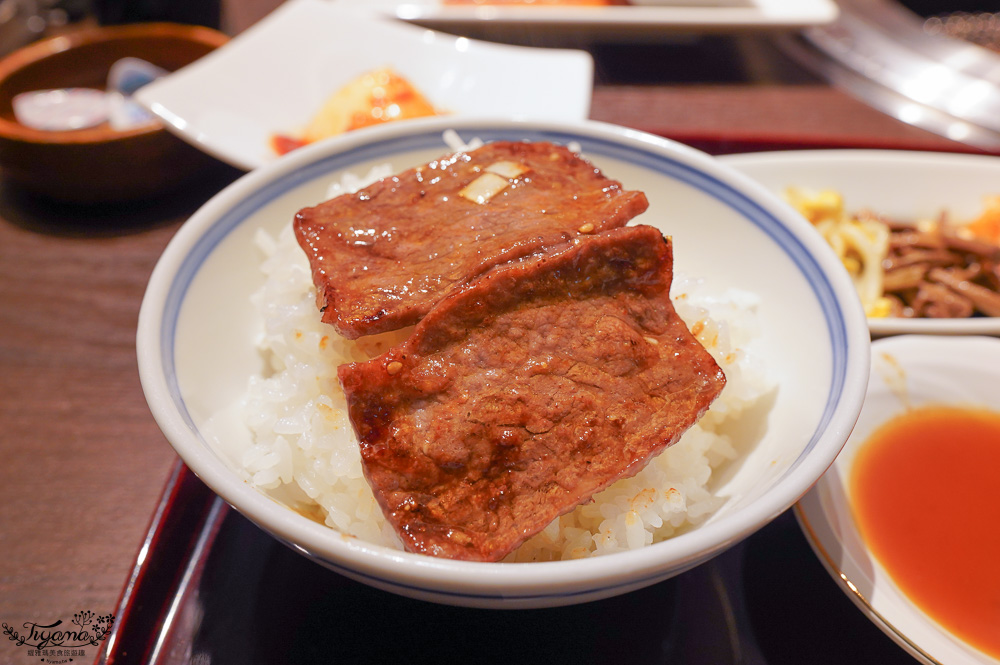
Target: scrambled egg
<point>861,243</point>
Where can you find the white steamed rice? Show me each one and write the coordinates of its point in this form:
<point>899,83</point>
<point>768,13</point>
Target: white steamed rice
<point>304,447</point>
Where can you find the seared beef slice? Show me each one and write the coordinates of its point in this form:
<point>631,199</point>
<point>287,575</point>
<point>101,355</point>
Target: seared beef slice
<point>526,391</point>
<point>383,256</point>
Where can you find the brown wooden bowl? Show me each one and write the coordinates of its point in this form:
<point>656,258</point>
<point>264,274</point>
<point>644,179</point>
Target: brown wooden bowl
<point>98,164</point>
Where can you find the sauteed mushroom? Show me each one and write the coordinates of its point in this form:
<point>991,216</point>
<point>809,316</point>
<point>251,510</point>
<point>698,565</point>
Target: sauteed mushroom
<point>932,268</point>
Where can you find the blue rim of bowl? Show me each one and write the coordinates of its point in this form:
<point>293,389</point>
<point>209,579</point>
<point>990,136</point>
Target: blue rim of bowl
<point>646,153</point>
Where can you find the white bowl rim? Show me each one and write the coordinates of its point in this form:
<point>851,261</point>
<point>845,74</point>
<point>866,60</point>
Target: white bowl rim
<point>474,581</point>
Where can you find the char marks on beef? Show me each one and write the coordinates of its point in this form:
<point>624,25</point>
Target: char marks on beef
<point>383,256</point>
<point>527,390</point>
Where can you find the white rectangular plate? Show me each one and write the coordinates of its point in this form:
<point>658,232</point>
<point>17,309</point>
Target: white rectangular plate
<point>272,78</point>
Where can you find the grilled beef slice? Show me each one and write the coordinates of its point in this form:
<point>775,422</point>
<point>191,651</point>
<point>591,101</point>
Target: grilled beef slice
<point>527,390</point>
<point>383,256</point>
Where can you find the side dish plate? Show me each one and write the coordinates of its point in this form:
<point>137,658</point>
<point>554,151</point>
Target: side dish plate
<point>902,184</point>
<point>272,78</point>
<point>907,371</point>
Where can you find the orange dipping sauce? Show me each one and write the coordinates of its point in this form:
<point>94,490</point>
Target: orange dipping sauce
<point>926,488</point>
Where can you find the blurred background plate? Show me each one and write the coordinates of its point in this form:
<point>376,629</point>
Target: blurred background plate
<point>275,76</point>
<point>642,16</point>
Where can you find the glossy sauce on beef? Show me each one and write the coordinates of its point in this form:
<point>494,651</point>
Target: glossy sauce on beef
<point>526,391</point>
<point>382,257</point>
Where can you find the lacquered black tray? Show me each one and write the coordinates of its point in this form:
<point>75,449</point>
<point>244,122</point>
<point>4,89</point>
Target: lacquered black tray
<point>210,587</point>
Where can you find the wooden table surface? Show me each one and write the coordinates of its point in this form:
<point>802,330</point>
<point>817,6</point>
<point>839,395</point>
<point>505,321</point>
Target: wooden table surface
<point>82,462</point>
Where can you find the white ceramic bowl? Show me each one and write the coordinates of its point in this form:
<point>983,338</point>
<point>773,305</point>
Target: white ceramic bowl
<point>196,348</point>
<point>275,76</point>
<point>907,371</point>
<point>902,184</point>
